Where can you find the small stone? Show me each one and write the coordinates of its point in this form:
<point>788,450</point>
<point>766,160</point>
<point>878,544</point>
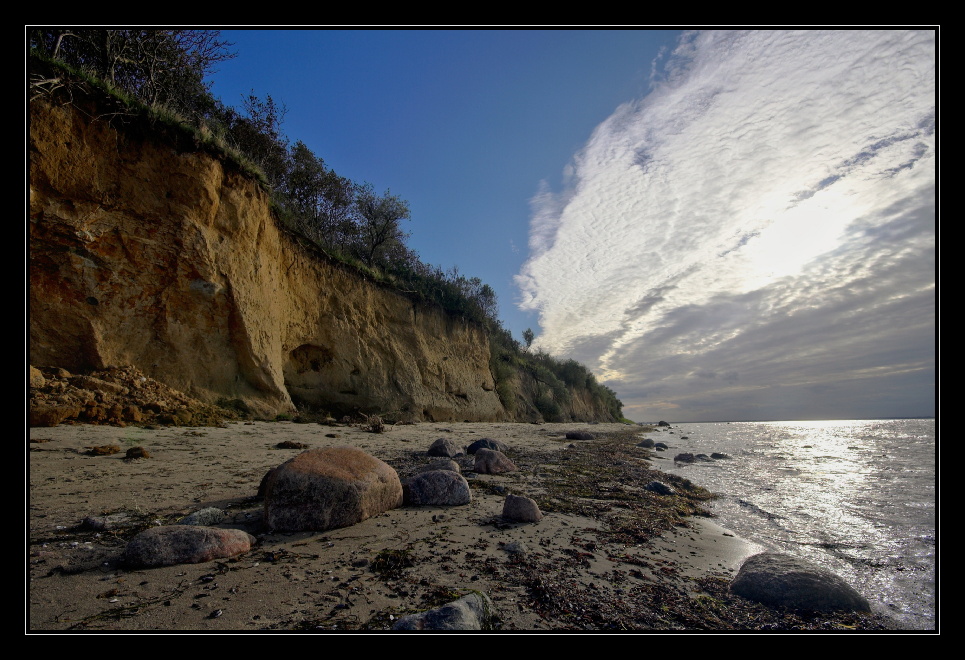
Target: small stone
<point>291,444</point>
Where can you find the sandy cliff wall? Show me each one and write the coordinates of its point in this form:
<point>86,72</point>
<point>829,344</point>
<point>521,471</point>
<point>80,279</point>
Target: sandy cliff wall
<point>162,258</point>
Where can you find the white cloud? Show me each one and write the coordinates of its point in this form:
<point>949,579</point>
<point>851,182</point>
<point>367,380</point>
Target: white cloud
<point>773,192</point>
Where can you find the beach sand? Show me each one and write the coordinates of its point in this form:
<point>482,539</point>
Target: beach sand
<point>575,569</point>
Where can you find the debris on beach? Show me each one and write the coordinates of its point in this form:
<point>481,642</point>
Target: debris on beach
<point>116,395</point>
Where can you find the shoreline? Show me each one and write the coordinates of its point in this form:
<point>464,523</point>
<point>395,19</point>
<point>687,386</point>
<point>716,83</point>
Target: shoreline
<point>598,560</point>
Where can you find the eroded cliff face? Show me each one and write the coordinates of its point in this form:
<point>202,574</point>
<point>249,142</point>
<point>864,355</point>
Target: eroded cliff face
<point>165,259</point>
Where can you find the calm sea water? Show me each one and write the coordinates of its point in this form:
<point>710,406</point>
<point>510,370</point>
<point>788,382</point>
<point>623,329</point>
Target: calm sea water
<point>857,497</point>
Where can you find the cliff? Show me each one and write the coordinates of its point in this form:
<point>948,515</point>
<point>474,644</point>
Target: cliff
<point>151,252</point>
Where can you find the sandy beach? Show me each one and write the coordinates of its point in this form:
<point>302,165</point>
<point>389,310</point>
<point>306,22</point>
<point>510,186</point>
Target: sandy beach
<point>598,559</point>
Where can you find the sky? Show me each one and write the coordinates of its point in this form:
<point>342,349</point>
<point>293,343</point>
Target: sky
<point>722,225</point>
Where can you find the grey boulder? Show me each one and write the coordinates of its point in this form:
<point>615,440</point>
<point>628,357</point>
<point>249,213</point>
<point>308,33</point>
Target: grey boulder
<point>436,488</point>
<point>785,581</point>
<point>445,447</point>
<point>486,443</point>
<point>471,612</point>
<point>579,435</point>
<point>660,488</point>
<point>204,517</point>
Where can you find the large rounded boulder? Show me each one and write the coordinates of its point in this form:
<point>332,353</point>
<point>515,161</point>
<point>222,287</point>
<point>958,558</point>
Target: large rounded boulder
<point>785,581</point>
<point>327,488</point>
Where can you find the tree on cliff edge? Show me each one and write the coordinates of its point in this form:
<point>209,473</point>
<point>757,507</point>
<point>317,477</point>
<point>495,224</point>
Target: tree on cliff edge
<point>381,239</point>
<point>166,67</point>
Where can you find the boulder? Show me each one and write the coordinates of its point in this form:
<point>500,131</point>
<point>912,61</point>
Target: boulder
<point>441,464</point>
<point>185,544</point>
<point>326,488</point>
<point>107,522</point>
<point>487,443</point>
<point>35,378</point>
<point>686,457</point>
<point>521,509</point>
<point>263,485</point>
<point>204,517</point>
<point>646,443</point>
<point>663,423</point>
<point>719,455</point>
<point>436,488</point>
<point>51,415</point>
<point>579,435</point>
<point>489,461</point>
<point>471,612</point>
<point>785,581</point>
<point>445,447</point>
<point>660,488</point>
<point>661,445</point>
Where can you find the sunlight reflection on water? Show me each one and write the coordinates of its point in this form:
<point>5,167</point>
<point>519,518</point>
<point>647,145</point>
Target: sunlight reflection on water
<point>854,496</point>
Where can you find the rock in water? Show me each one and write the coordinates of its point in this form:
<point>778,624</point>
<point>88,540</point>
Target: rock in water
<point>326,488</point>
<point>471,612</point>
<point>784,581</point>
<point>437,488</point>
<point>185,544</point>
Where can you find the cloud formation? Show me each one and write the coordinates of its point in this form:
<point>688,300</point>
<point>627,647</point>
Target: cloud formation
<point>755,238</point>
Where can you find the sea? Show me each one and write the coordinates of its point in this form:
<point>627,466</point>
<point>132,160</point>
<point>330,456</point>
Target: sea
<point>855,496</point>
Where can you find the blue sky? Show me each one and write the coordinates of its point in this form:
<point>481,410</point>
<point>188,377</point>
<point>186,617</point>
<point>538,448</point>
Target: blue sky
<point>720,224</point>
